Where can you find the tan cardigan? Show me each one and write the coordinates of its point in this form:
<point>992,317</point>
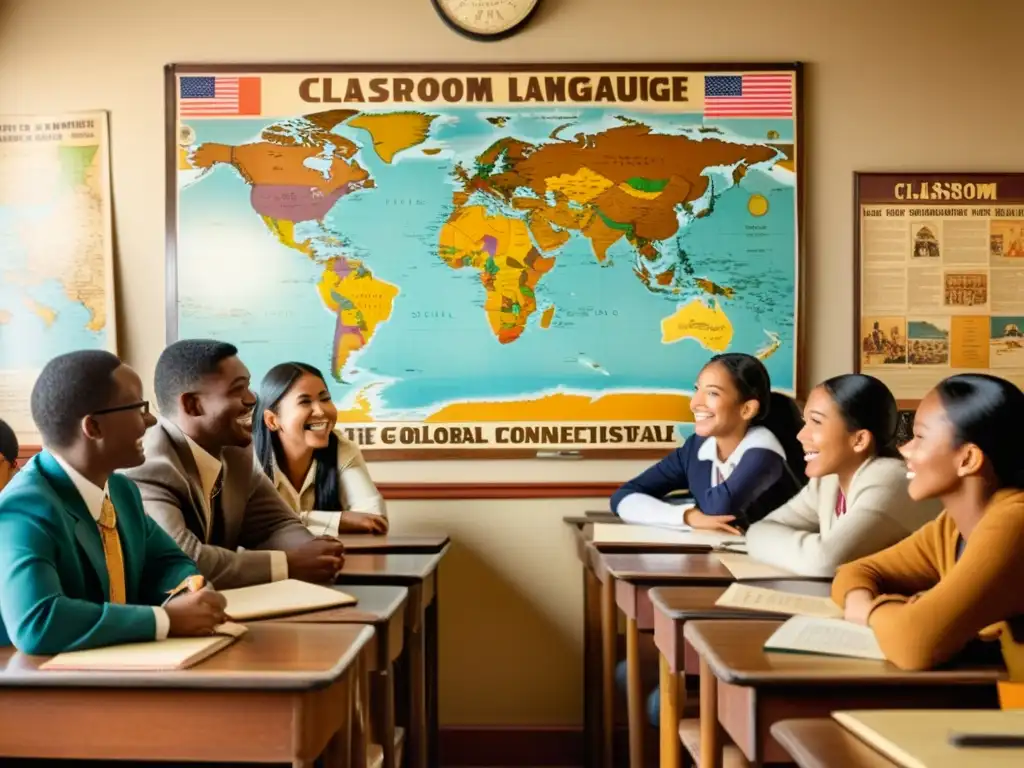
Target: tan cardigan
<point>805,536</point>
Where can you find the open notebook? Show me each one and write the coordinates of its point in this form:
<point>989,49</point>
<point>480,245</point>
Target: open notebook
<point>744,596</point>
<point>154,656</point>
<point>613,533</point>
<point>744,566</point>
<point>825,637</point>
<point>923,738</point>
<point>280,598</point>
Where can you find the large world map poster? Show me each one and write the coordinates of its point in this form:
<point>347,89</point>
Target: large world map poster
<point>485,261</point>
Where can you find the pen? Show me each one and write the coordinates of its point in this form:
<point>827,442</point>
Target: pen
<point>191,584</point>
<point>986,739</point>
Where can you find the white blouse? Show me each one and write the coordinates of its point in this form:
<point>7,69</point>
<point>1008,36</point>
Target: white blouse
<point>358,493</point>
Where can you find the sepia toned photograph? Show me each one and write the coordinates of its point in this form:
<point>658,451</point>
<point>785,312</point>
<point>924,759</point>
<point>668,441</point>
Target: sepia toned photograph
<point>926,240</point>
<point>962,289</point>
<point>1006,239</point>
<point>883,341</point>
<point>928,341</point>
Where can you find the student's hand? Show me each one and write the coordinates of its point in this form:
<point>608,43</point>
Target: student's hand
<point>317,561</point>
<point>857,606</point>
<point>194,614</point>
<point>363,522</point>
<point>698,520</point>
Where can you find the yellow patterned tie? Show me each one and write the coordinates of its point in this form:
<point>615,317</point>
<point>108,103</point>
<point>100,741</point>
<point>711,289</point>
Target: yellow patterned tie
<point>112,551</point>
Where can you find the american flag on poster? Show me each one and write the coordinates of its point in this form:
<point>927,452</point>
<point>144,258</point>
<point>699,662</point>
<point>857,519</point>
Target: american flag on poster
<point>218,96</point>
<point>766,94</point>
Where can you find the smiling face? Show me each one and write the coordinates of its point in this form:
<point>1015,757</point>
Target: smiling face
<point>717,406</point>
<point>935,463</point>
<point>305,416</point>
<point>830,448</point>
<point>221,407</point>
<point>119,433</point>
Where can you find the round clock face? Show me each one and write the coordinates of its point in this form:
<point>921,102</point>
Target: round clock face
<point>486,17</point>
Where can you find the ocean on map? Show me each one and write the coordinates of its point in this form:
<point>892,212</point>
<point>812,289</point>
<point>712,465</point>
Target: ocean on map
<point>237,282</point>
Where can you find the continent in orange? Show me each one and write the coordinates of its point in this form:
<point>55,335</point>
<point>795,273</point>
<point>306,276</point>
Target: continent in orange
<point>547,316</point>
<point>393,132</point>
<point>510,266</point>
<point>566,407</point>
<point>360,302</point>
<point>710,326</point>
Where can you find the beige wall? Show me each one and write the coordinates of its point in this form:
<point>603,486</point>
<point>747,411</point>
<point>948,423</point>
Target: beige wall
<point>891,84</point>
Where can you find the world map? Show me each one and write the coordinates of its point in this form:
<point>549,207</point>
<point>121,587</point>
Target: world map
<point>471,265</point>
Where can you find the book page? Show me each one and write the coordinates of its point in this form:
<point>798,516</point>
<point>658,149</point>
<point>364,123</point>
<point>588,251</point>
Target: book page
<point>610,533</point>
<point>825,637</point>
<point>750,598</point>
<point>156,655</point>
<point>745,567</point>
<point>920,738</point>
<point>280,598</point>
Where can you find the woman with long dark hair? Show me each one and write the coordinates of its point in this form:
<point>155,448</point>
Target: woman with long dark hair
<point>958,577</point>
<point>856,501</point>
<point>318,472</point>
<point>8,454</point>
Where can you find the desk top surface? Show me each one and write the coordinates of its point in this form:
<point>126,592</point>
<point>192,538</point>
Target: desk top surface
<point>735,652</point>
<point>396,544</point>
<point>391,568</point>
<point>691,603</point>
<point>378,604</point>
<point>270,656</point>
<point>824,743</point>
<point>665,567</point>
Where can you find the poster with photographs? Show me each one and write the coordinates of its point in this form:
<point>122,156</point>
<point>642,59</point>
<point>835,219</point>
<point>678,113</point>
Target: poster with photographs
<point>939,275</point>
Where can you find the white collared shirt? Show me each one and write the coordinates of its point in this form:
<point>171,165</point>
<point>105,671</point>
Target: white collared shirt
<point>210,468</point>
<point>93,497</point>
<point>756,437</point>
<point>358,493</point>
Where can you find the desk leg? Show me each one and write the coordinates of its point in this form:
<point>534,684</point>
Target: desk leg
<point>430,629</point>
<point>419,737</point>
<point>592,691</point>
<point>608,635</point>
<point>710,731</point>
<point>340,749</point>
<point>634,695</point>
<point>384,712</point>
<point>360,746</point>
<point>668,685</point>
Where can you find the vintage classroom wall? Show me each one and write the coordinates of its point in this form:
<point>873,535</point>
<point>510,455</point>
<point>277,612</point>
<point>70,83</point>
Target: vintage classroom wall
<point>915,85</point>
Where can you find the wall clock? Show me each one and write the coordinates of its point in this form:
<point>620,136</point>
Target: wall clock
<point>486,19</point>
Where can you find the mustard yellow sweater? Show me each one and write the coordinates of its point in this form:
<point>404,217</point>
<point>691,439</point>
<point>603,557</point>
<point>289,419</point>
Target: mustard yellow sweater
<point>958,599</point>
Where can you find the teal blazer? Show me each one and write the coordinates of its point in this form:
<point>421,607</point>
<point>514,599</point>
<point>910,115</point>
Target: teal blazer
<point>54,588</point>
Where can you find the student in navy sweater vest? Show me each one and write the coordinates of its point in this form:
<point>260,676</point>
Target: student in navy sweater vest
<point>742,462</point>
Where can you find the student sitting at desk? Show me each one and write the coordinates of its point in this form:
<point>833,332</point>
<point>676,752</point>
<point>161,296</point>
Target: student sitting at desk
<point>929,596</point>
<point>200,484</point>
<point>81,564</point>
<point>856,502</point>
<point>320,474</point>
<point>742,462</point>
<point>8,454</point>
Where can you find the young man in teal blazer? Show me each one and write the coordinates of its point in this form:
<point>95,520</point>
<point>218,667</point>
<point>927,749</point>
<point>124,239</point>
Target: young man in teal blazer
<point>81,565</point>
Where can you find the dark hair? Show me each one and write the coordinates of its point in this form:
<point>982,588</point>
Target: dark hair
<point>776,412</point>
<point>267,444</point>
<point>866,403</point>
<point>989,412</point>
<point>8,442</point>
<point>69,388</point>
<point>182,364</point>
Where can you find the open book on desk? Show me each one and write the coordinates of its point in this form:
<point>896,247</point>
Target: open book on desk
<point>746,597</point>
<point>825,637</point>
<point>604,533</point>
<point>743,566</point>
<point>937,738</point>
<point>281,598</point>
<point>154,656</point>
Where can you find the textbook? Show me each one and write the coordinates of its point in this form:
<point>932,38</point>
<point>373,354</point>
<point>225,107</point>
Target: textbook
<point>750,598</point>
<point>280,598</point>
<point>744,566</point>
<point>938,738</point>
<point>825,637</point>
<point>153,656</point>
<point>609,533</point>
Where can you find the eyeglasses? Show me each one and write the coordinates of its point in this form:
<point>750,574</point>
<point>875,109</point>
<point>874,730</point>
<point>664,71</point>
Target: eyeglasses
<point>142,405</point>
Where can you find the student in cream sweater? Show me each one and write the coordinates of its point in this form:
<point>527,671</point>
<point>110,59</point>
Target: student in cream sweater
<point>856,501</point>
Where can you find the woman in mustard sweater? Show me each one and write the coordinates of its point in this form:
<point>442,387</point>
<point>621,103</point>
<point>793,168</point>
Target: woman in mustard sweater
<point>957,577</point>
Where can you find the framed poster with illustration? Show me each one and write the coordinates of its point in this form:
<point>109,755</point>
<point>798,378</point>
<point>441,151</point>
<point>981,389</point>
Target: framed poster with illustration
<point>939,277</point>
<point>496,260</point>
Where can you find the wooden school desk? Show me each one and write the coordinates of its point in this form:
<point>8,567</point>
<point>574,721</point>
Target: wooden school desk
<point>282,692</point>
<point>383,608</point>
<point>362,543</point>
<point>673,607</point>
<point>750,689</point>
<point>417,573</point>
<point>824,743</point>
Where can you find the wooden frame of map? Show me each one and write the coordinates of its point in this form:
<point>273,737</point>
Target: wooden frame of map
<point>501,261</point>
<point>938,278</point>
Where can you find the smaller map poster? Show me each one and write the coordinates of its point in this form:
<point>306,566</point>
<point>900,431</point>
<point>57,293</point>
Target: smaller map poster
<point>519,259</point>
<point>56,249</point>
<point>940,267</point>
